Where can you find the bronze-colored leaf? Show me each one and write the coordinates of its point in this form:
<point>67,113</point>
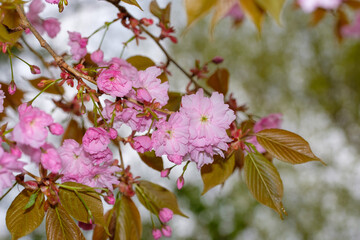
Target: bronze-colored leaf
<point>141,63</point>
<point>264,182</point>
<point>100,232</point>
<point>174,102</point>
<point>54,89</point>
<point>286,146</point>
<point>73,131</point>
<point>128,222</point>
<point>150,159</point>
<point>158,196</point>
<point>197,9</point>
<point>14,100</point>
<point>132,2</point>
<point>253,11</point>
<point>273,7</point>
<point>75,206</point>
<point>10,20</point>
<point>221,9</point>
<point>219,80</point>
<point>21,221</point>
<point>217,172</point>
<point>60,225</point>
<point>355,4</point>
<point>317,16</point>
<point>163,14</point>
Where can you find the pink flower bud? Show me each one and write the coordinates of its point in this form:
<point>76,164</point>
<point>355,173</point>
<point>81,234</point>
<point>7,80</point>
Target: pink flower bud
<point>86,226</point>
<point>180,182</point>
<point>97,57</point>
<point>56,129</point>
<point>35,69</point>
<point>156,234</point>
<point>165,172</point>
<point>12,88</point>
<point>110,199</point>
<point>165,215</point>
<point>166,231</point>
<point>217,60</point>
<point>146,21</point>
<point>112,133</point>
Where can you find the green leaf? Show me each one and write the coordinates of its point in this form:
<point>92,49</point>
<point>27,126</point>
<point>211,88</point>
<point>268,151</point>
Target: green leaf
<point>76,208</point>
<point>32,200</point>
<point>132,2</point>
<point>150,159</point>
<point>158,197</point>
<point>286,146</point>
<point>264,182</point>
<point>141,63</point>
<point>54,89</point>
<point>21,221</point>
<point>217,172</point>
<point>219,80</point>
<point>273,7</point>
<point>197,9</point>
<point>174,102</point>
<point>128,222</point>
<point>60,225</point>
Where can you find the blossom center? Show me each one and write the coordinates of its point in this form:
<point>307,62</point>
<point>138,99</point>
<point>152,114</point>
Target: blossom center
<point>204,119</point>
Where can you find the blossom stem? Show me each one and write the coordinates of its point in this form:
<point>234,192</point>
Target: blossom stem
<point>8,191</point>
<point>45,88</point>
<point>91,217</point>
<point>11,65</point>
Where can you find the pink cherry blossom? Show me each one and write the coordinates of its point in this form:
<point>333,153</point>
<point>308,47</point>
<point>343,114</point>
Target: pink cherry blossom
<point>114,82</point>
<point>50,159</point>
<point>126,69</point>
<point>271,121</point>
<point>56,129</point>
<point>78,45</point>
<point>156,234</point>
<point>171,137</point>
<point>309,6</point>
<point>95,140</point>
<point>98,57</point>
<point>53,1</point>
<point>148,80</point>
<point>209,118</point>
<point>32,127</point>
<point>166,231</point>
<point>101,176</point>
<point>165,215</point>
<point>142,144</point>
<point>2,97</point>
<point>353,29</point>
<point>102,157</point>
<point>51,27</point>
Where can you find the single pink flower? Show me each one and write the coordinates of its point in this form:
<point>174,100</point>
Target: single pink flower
<point>95,140</point>
<point>56,129</point>
<point>209,118</point>
<point>78,45</point>
<point>309,6</point>
<point>114,82</point>
<point>32,127</point>
<point>165,215</point>
<point>166,231</point>
<point>156,234</point>
<point>142,144</point>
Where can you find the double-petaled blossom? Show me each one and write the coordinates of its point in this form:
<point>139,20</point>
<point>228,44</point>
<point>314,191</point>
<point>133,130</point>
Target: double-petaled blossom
<point>32,127</point>
<point>50,25</point>
<point>209,118</point>
<point>78,45</point>
<point>271,121</point>
<point>311,5</point>
<point>114,83</point>
<point>142,144</point>
<point>95,140</point>
<point>171,137</point>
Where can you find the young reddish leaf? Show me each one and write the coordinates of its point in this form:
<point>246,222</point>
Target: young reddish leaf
<point>73,131</point>
<point>14,100</point>
<point>273,7</point>
<point>76,208</point>
<point>99,231</point>
<point>60,225</point>
<point>253,11</point>
<point>150,159</point>
<point>141,63</point>
<point>217,172</point>
<point>219,80</point>
<point>174,101</point>
<point>221,9</point>
<point>54,89</point>
<point>132,2</point>
<point>286,146</point>
<point>128,222</point>
<point>239,158</point>
<point>21,221</point>
<point>158,196</point>
<point>197,9</point>
<point>264,182</point>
